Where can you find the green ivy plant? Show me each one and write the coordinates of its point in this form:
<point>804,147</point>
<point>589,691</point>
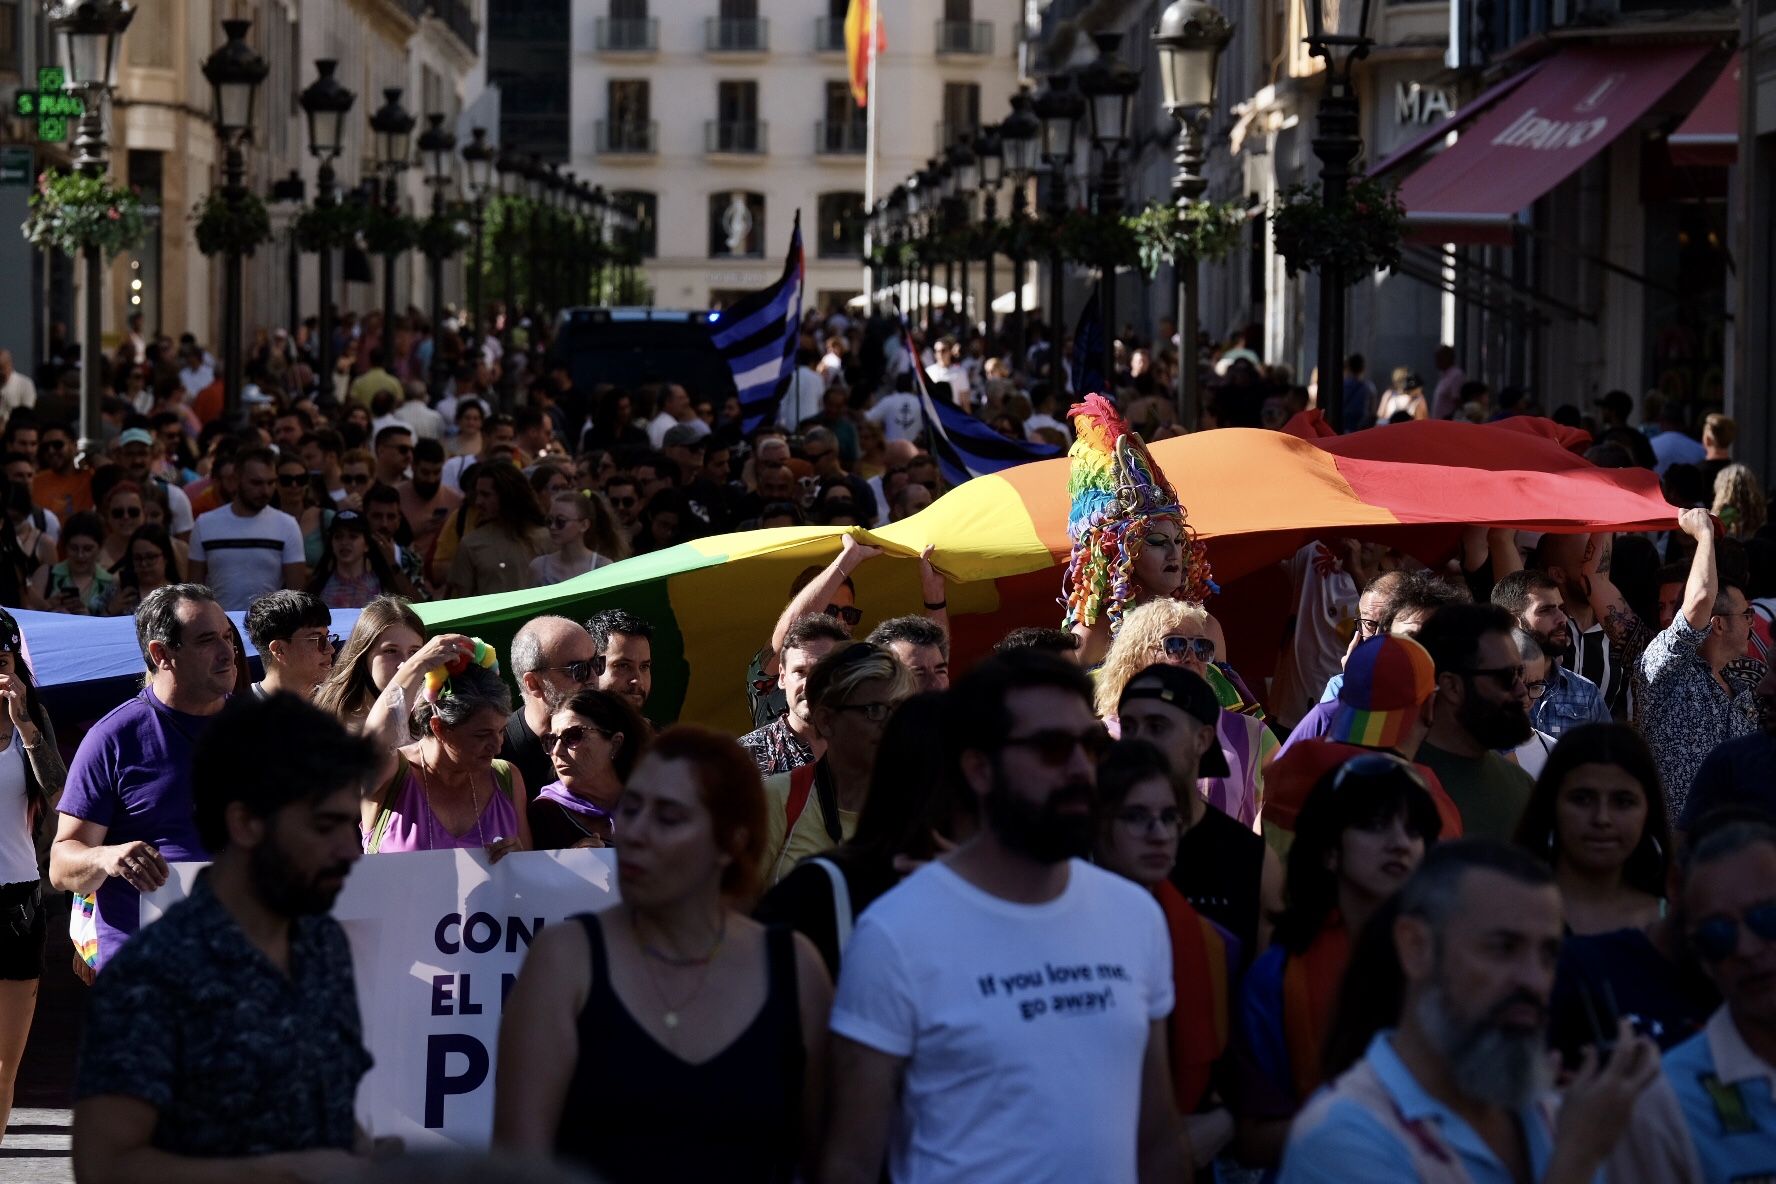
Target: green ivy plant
<point>328,227</point>
<point>389,232</point>
<point>1204,231</point>
<point>1362,233</point>
<point>71,211</point>
<point>441,236</point>
<point>221,225</point>
<point>1097,240</point>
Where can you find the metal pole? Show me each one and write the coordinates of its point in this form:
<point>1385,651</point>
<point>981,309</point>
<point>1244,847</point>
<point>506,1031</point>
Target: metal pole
<point>1188,186</point>
<point>478,330</point>
<point>508,283</point>
<point>1336,146</point>
<point>388,280</point>
<point>233,191</point>
<point>1109,202</point>
<point>1018,338</point>
<point>435,280</point>
<point>1057,205</point>
<point>90,158</point>
<point>992,214</point>
<point>324,347</point>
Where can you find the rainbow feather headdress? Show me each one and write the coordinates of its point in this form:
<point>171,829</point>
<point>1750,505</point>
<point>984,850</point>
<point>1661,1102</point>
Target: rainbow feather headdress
<point>1116,490</point>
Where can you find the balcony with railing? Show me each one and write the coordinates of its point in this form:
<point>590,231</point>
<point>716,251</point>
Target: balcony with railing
<point>628,137</point>
<point>735,137</point>
<point>628,34</point>
<point>749,35</point>
<point>971,38</point>
<point>829,34</point>
<point>849,138</point>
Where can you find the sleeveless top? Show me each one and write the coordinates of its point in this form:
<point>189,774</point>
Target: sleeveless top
<point>631,1102</point>
<point>413,827</point>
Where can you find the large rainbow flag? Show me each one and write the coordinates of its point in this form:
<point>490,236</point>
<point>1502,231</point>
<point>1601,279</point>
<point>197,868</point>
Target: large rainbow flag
<point>1001,539</point>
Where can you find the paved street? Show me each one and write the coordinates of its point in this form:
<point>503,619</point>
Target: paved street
<point>36,1146</point>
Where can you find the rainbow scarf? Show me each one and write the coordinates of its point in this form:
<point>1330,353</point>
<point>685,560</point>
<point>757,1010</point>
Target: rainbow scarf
<point>1310,988</point>
<point>1200,989</point>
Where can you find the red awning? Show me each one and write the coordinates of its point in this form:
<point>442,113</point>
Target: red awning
<point>1569,112</point>
<point>1711,134</point>
<point>1469,111</point>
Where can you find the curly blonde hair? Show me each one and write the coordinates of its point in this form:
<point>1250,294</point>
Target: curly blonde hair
<point>1736,489</point>
<point>1143,628</point>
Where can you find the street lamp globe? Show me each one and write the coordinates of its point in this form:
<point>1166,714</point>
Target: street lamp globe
<point>326,101</point>
<point>438,147</point>
<point>510,167</point>
<point>946,177</point>
<point>1059,107</point>
<point>234,73</point>
<point>989,150</point>
<point>1109,85</point>
<point>91,33</point>
<point>963,164</point>
<point>393,126</point>
<point>1190,38</point>
<point>1020,137</point>
<point>477,157</point>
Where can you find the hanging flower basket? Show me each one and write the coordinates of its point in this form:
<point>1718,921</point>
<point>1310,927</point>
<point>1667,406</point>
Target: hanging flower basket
<point>71,211</point>
<point>389,233</point>
<point>1362,233</point>
<point>1096,240</point>
<point>1204,231</point>
<point>441,236</point>
<point>221,225</point>
<point>328,227</point>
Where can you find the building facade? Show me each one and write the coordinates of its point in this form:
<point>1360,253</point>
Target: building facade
<point>721,120</point>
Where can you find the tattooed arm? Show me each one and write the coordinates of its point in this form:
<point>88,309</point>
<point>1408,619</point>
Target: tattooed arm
<point>1627,633</point>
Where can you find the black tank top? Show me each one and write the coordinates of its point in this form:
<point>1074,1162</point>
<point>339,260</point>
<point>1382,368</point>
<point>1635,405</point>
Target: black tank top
<point>635,1112</point>
<point>1220,871</point>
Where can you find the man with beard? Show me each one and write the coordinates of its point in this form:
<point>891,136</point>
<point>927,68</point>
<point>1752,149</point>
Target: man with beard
<point>1000,1013</point>
<point>622,655</point>
<point>1478,715</point>
<point>225,1042</point>
<point>552,659</point>
<point>134,451</point>
<point>1737,773</point>
<point>1569,699</point>
<point>426,502</point>
<point>248,547</point>
<point>791,740</point>
<point>1460,1089</point>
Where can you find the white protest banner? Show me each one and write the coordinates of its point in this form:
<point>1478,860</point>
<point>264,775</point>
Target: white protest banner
<point>437,939</point>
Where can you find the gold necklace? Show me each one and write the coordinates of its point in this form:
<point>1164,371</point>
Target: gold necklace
<point>670,1017</point>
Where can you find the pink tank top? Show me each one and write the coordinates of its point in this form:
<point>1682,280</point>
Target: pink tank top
<point>413,827</point>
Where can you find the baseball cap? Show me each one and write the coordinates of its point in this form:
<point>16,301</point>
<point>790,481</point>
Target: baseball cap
<point>135,436</point>
<point>1189,693</point>
<point>1386,681</point>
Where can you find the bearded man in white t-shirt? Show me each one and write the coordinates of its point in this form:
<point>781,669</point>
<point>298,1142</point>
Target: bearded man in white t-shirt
<point>1000,1014</point>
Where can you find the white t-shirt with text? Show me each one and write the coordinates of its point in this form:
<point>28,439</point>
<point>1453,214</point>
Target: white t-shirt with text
<point>245,557</point>
<point>1023,1027</point>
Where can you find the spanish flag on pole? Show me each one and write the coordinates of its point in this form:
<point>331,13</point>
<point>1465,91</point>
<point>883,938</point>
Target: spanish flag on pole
<point>860,21</point>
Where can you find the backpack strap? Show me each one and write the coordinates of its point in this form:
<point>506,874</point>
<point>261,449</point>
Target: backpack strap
<point>385,810</point>
<point>841,891</point>
<point>801,787</point>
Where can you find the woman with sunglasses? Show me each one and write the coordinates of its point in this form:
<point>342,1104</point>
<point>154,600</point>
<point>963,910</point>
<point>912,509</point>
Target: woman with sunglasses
<point>77,584</point>
<point>1140,820</point>
<point>1178,634</point>
<point>1598,816</point>
<point>151,561</point>
<point>1359,836</point>
<point>354,571</point>
<point>300,496</point>
<point>570,523</point>
<point>594,740</point>
<point>120,509</point>
<point>851,693</point>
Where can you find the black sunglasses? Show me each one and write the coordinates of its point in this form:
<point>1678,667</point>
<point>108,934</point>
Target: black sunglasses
<point>580,671</point>
<point>850,614</point>
<point>354,479</point>
<point>126,511</point>
<point>570,736</point>
<point>292,480</point>
<point>1054,746</point>
<point>1505,676</point>
<point>1717,938</point>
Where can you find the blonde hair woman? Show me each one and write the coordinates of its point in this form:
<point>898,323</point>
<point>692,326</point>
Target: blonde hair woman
<point>1177,633</point>
<point>1739,501</point>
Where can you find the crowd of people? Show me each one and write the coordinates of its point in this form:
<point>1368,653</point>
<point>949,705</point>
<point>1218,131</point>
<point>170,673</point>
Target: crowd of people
<point>1478,885</point>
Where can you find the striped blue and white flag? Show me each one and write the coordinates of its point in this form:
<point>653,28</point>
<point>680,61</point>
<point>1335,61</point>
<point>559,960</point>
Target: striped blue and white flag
<point>757,338</point>
<point>962,445</point>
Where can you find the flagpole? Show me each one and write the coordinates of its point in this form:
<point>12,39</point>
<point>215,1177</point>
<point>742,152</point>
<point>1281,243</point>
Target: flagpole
<point>870,39</point>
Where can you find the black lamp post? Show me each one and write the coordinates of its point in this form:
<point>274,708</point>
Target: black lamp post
<point>1342,42</point>
<point>1109,85</point>
<point>437,146</point>
<point>394,144</point>
<point>1020,141</point>
<point>234,73</point>
<point>990,155</point>
<point>896,232</point>
<point>478,156</point>
<point>1059,108</point>
<point>917,200</point>
<point>91,33</point>
<point>1190,38</point>
<point>964,171</point>
<point>327,102</point>
<point>510,167</point>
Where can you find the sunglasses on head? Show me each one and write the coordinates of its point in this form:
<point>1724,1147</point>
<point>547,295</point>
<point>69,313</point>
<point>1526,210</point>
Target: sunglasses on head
<point>1054,746</point>
<point>849,614</point>
<point>1178,647</point>
<point>1717,938</point>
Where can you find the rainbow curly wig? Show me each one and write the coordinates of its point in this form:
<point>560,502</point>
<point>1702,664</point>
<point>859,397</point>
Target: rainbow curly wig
<point>1116,491</point>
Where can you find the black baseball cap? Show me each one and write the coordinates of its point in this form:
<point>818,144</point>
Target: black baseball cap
<point>1189,693</point>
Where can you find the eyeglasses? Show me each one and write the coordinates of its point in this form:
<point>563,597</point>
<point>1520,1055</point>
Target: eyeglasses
<point>292,480</point>
<point>1178,647</point>
<point>1749,614</point>
<point>580,671</point>
<point>1141,823</point>
<point>354,478</point>
<point>1717,938</point>
<point>1054,746</point>
<point>1538,688</point>
<point>1505,676</point>
<point>131,512</point>
<point>850,614</point>
<point>321,641</point>
<point>1367,627</point>
<point>562,523</point>
<point>571,736</point>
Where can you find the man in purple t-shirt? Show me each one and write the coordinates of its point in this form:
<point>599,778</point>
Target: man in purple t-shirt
<point>127,808</point>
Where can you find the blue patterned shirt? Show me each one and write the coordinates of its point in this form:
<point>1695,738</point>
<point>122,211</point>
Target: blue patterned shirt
<point>1682,712</point>
<point>1570,701</point>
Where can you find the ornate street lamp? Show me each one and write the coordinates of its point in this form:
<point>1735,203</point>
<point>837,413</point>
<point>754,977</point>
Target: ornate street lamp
<point>1190,38</point>
<point>991,158</point>
<point>1059,107</point>
<point>326,102</point>
<point>1341,42</point>
<point>437,149</point>
<point>1109,85</point>
<point>1020,142</point>
<point>510,167</point>
<point>90,33</point>
<point>963,168</point>
<point>478,157</point>
<point>234,73</point>
<point>393,128</point>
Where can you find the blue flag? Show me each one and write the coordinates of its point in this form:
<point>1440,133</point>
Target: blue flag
<point>962,445</point>
<point>1088,351</point>
<point>757,335</point>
